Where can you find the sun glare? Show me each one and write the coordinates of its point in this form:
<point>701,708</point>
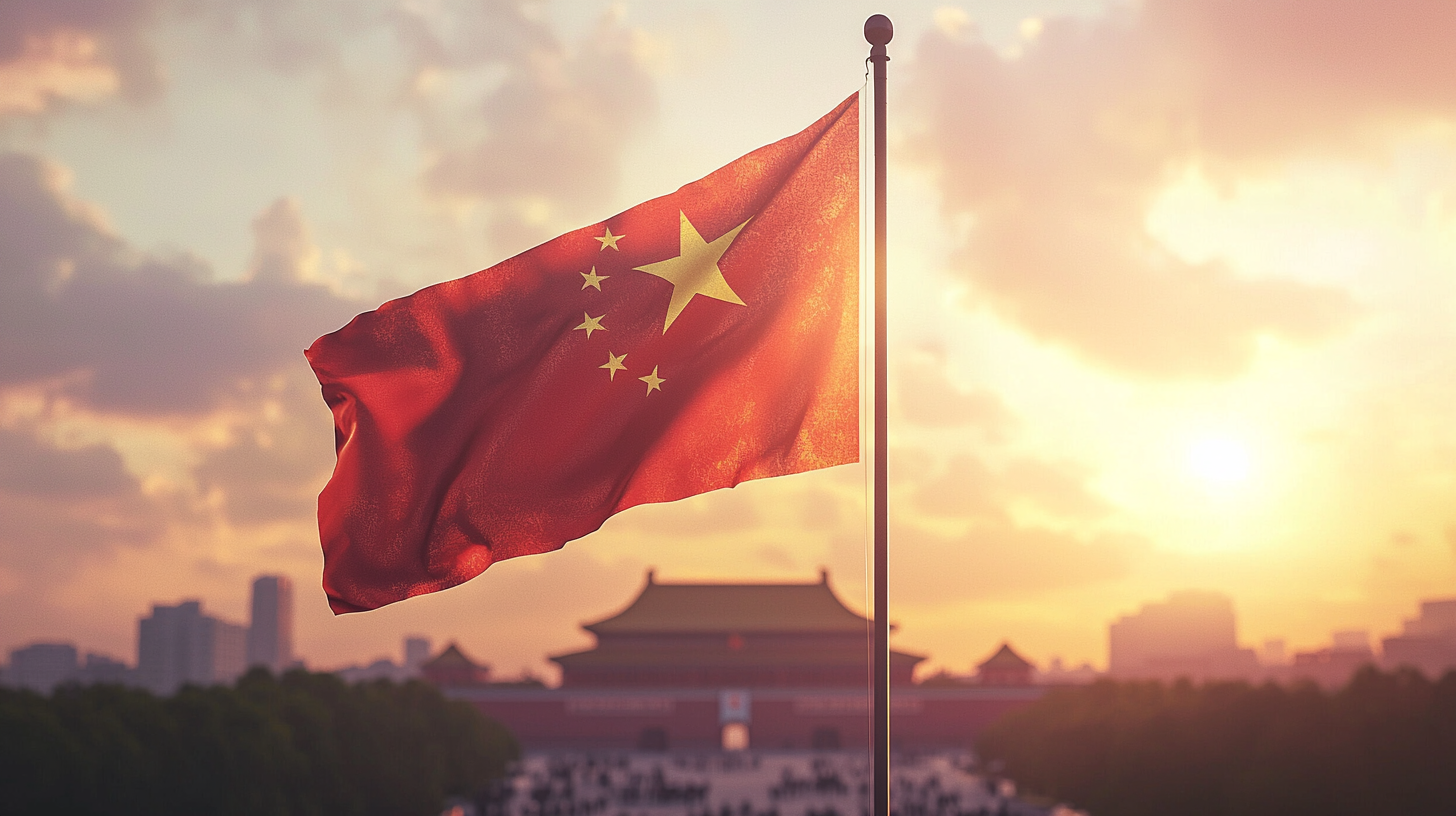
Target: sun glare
<point>1219,461</point>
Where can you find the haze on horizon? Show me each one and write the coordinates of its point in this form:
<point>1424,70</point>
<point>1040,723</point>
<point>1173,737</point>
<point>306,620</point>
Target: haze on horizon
<point>1173,299</point>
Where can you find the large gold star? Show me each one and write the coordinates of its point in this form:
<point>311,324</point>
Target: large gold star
<point>654,382</point>
<point>591,324</point>
<point>610,240</point>
<point>593,280</point>
<point>614,364</point>
<point>695,270</point>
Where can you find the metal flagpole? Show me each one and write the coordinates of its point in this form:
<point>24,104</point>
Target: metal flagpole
<point>878,32</point>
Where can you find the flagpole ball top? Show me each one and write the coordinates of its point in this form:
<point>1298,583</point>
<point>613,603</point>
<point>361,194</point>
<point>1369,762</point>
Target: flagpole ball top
<point>878,30</point>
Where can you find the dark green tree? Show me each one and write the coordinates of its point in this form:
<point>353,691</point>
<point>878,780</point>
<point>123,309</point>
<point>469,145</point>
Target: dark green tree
<point>299,745</point>
<point>1385,744</point>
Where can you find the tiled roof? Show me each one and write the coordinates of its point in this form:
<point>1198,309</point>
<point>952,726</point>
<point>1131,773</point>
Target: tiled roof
<point>702,608</point>
<point>451,658</point>
<point>703,658</point>
<point>1005,658</point>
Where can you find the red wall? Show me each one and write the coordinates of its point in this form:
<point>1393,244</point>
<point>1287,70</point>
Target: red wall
<point>779,718</point>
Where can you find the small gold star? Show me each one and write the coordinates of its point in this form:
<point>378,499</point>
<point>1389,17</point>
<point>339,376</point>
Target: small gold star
<point>614,364</point>
<point>591,324</point>
<point>654,382</point>
<point>610,240</point>
<point>593,280</point>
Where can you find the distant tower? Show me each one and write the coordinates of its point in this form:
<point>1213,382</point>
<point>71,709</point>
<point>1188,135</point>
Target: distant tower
<point>416,654</point>
<point>43,666</point>
<point>1274,653</point>
<point>270,632</point>
<point>179,644</point>
<point>1192,634</point>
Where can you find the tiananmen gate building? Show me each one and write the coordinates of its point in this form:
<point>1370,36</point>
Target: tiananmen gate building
<point>700,666</point>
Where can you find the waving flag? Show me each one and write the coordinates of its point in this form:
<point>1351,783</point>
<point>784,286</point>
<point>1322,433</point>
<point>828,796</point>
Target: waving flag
<point>691,343</point>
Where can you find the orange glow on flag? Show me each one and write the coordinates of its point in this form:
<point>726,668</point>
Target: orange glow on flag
<point>484,418</point>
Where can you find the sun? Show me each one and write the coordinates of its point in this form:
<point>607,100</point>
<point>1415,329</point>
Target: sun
<point>1220,461</point>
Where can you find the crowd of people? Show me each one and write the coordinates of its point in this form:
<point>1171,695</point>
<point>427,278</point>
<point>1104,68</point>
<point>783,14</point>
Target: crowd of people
<point>746,783</point>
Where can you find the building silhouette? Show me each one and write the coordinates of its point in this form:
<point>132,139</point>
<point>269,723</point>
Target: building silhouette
<point>270,628</point>
<point>1332,667</point>
<point>729,635</point>
<point>1426,642</point>
<point>454,669</point>
<point>100,668</point>
<point>41,667</point>
<point>731,666</point>
<point>1192,634</point>
<point>416,653</point>
<point>179,644</point>
<point>1005,668</point>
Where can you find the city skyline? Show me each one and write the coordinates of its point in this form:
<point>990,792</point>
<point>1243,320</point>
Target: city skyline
<point>1173,300</point>
<point>1188,634</point>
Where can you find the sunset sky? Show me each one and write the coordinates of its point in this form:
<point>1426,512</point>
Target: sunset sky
<point>1173,299</point>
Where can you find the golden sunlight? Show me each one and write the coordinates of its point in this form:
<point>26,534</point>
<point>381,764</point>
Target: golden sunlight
<point>1219,461</point>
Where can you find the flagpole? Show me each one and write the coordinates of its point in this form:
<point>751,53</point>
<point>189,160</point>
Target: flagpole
<point>878,32</point>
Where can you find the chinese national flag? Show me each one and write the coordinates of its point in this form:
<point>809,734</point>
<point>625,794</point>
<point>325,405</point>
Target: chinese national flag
<point>693,342</point>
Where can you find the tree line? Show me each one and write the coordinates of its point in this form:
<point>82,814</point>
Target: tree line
<point>298,744</point>
<point>1384,744</point>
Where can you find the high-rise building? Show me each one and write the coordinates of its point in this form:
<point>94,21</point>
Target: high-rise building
<point>100,668</point>
<point>270,631</point>
<point>1332,667</point>
<point>1192,635</point>
<point>416,654</point>
<point>1428,642</point>
<point>179,644</point>
<point>43,666</point>
<point>1273,653</point>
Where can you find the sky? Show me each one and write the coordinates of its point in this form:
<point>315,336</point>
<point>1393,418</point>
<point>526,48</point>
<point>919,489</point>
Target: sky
<point>1172,300</point>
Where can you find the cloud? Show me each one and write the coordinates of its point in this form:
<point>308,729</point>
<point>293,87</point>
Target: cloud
<point>283,252</point>
<point>1262,80</point>
<point>516,123</point>
<point>1056,156</point>
<point>776,556</point>
<point>555,126</point>
<point>820,509</point>
<point>1059,489</point>
<point>928,397</point>
<point>721,511</point>
<point>965,489</point>
<point>134,332</point>
<point>54,51</point>
<point>1007,525</point>
<point>33,468</point>
<point>289,36</point>
<point>58,505</point>
<point>275,462</point>
<point>29,467</point>
<point>448,35</point>
<point>970,489</point>
<point>1005,561</point>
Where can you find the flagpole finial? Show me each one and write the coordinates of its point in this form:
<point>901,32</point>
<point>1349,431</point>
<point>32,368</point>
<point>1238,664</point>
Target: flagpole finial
<point>878,30</point>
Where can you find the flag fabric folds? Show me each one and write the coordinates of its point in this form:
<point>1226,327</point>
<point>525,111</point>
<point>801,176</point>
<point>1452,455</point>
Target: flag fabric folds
<point>693,342</point>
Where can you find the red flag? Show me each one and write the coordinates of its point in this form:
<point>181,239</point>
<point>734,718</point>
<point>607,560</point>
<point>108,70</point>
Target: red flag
<point>693,342</point>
